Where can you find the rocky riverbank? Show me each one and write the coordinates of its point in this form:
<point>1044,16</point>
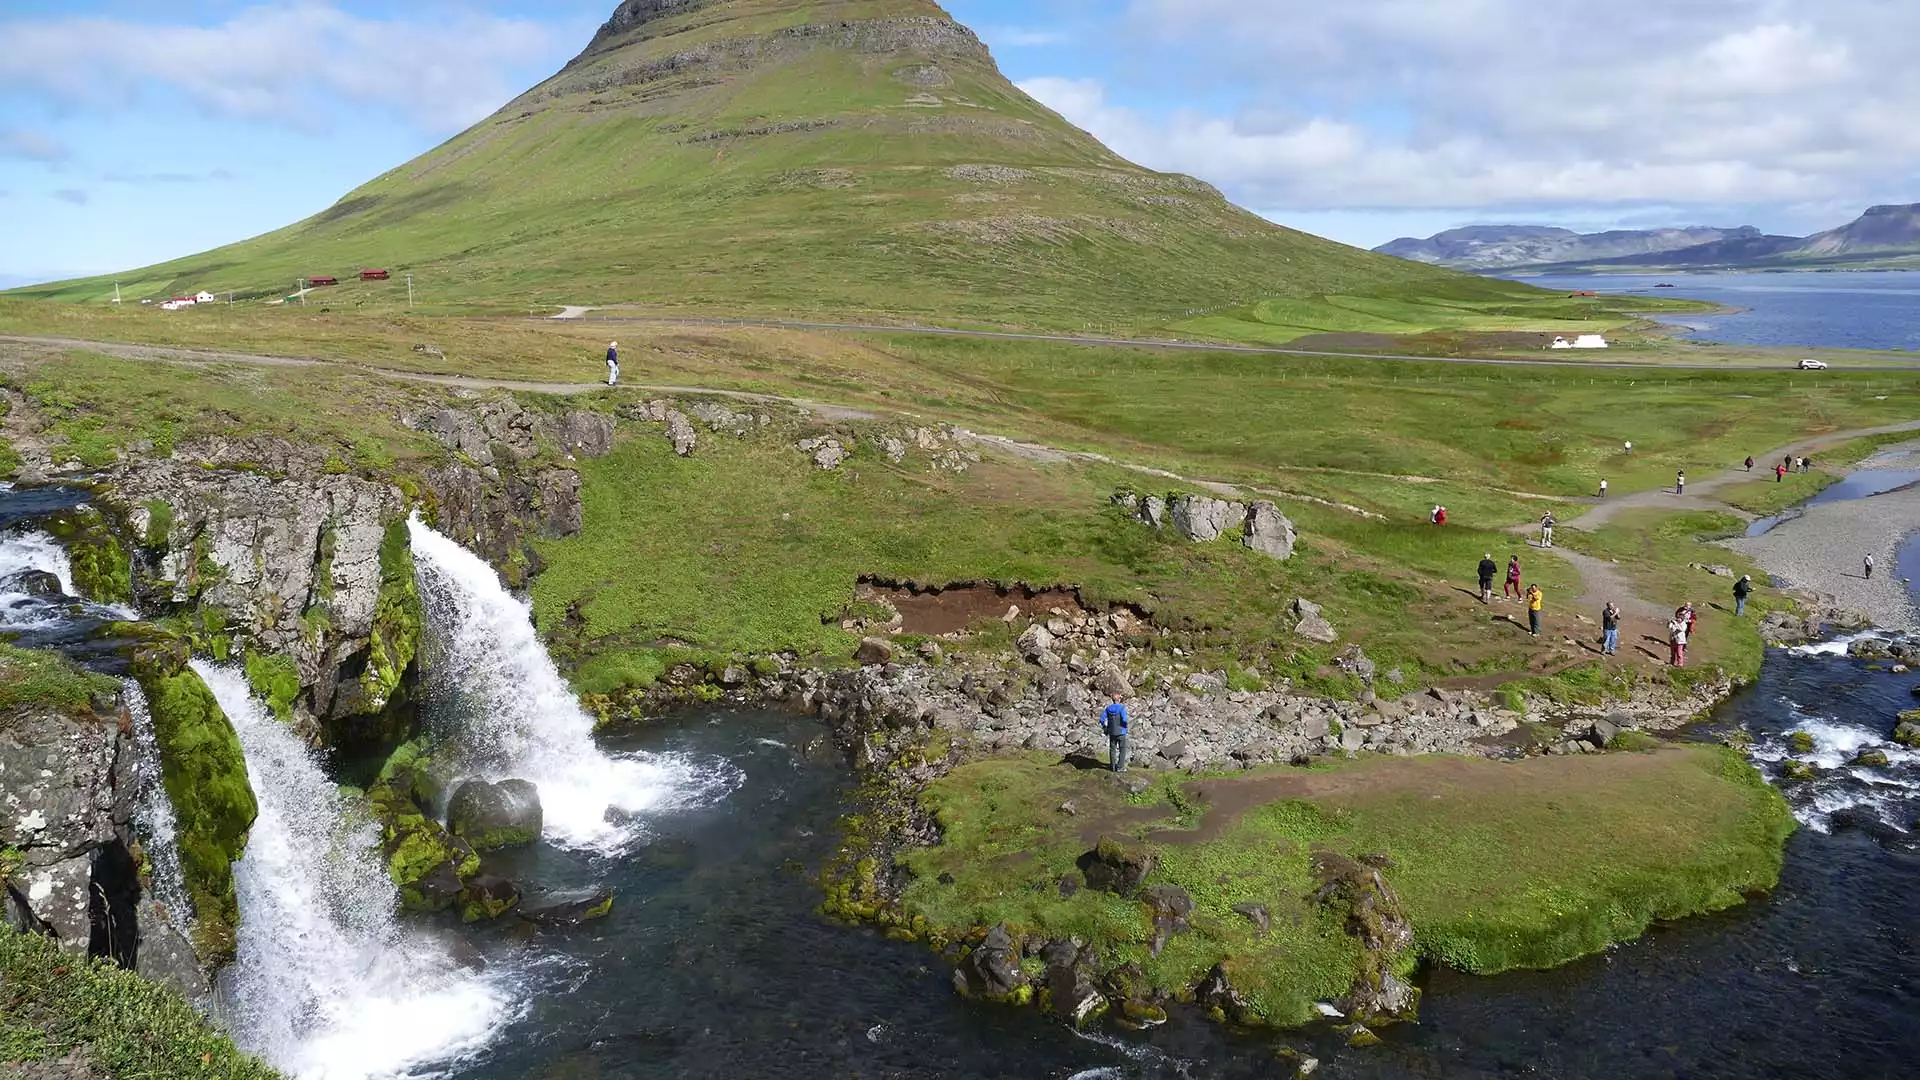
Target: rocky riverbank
<point>1822,552</point>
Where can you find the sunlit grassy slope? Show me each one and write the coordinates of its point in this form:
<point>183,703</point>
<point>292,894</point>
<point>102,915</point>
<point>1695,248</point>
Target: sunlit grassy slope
<point>845,157</point>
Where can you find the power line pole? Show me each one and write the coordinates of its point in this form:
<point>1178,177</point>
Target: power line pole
<point>409,291</point>
<point>116,292</point>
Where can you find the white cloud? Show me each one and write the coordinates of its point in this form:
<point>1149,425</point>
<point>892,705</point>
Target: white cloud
<point>1022,37</point>
<point>279,62</point>
<point>1498,105</point>
<point>31,145</point>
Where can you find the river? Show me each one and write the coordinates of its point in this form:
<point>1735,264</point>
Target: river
<point>714,961</point>
<point>1861,310</point>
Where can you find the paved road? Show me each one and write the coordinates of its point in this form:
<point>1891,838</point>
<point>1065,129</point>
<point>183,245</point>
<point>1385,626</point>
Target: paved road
<point>575,313</point>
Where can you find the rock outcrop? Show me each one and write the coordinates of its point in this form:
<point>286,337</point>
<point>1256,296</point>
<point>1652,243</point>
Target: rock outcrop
<point>1203,519</point>
<point>72,867</point>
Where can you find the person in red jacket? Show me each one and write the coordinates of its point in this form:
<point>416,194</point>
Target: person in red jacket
<point>1513,578</point>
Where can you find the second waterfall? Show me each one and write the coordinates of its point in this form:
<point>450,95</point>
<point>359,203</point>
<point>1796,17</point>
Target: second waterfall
<point>503,711</point>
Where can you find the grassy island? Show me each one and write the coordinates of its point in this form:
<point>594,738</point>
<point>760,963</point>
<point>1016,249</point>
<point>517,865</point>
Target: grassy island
<point>1498,865</point>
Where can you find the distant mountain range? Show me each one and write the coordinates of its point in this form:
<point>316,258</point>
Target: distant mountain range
<point>1883,236</point>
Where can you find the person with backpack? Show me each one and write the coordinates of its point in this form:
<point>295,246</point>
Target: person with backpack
<point>1536,600</point>
<point>1869,566</point>
<point>1114,723</point>
<point>1513,579</point>
<point>1749,462</point>
<point>1488,568</point>
<point>1677,641</point>
<point>1546,529</point>
<point>1741,590</point>
<point>1610,629</point>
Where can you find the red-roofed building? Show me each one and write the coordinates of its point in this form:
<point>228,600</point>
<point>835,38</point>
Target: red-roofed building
<point>373,275</point>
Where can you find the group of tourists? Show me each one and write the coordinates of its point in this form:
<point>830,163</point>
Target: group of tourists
<point>1680,629</point>
<point>1788,464</point>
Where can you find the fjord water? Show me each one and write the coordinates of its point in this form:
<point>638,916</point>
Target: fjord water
<point>1859,310</point>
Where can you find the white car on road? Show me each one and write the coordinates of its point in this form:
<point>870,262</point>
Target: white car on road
<point>1813,365</point>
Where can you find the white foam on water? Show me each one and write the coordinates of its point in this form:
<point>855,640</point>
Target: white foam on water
<point>1837,647</point>
<point>521,720</point>
<point>35,550</point>
<point>328,984</point>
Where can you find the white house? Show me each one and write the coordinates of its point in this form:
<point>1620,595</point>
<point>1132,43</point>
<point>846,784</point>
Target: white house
<point>204,297</point>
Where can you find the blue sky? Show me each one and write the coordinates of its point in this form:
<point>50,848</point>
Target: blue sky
<point>135,132</point>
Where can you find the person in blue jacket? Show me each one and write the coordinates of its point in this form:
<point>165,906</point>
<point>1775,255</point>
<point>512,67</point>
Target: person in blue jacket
<point>613,362</point>
<point>1114,723</point>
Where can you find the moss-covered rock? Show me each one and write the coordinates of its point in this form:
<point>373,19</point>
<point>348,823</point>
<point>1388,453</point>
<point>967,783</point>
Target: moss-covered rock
<point>430,866</point>
<point>491,816</point>
<point>487,896</point>
<point>395,640</point>
<point>102,569</point>
<point>205,774</point>
<point>1800,742</point>
<point>1907,731</point>
<point>1795,769</point>
<point>1870,759</point>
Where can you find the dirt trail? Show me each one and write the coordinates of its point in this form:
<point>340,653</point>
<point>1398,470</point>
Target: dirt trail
<point>1700,488</point>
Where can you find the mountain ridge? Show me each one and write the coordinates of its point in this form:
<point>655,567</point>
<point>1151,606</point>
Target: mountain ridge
<point>791,158</point>
<point>1889,230</point>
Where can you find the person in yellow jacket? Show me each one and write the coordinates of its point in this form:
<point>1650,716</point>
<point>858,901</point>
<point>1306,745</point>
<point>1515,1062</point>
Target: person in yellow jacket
<point>1535,601</point>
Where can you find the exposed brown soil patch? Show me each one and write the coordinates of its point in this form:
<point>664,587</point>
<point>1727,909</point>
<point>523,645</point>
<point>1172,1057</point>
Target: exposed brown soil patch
<point>935,610</point>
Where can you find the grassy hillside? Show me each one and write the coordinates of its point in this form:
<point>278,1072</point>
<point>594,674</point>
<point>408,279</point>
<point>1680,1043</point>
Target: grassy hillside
<point>850,157</point>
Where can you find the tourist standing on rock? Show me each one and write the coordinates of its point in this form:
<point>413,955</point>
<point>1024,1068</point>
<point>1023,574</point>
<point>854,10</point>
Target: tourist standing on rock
<point>1677,641</point>
<point>1610,629</point>
<point>1114,723</point>
<point>1869,566</point>
<point>613,362</point>
<point>1513,578</point>
<point>1536,600</point>
<point>1546,529</point>
<point>1741,590</point>
<point>1488,568</point>
<point>1680,483</point>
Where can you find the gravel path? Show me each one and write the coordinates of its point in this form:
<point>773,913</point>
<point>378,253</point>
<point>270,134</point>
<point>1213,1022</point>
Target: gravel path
<point>1822,551</point>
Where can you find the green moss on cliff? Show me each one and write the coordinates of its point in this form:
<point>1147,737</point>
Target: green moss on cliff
<point>429,864</point>
<point>205,774</point>
<point>395,639</point>
<point>52,1005</point>
<point>159,524</point>
<point>102,571</point>
<point>275,680</point>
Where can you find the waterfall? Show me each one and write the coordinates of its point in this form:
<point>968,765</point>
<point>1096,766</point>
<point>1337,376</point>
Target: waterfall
<point>327,985</point>
<point>24,552</point>
<point>514,716</point>
<point>153,819</point>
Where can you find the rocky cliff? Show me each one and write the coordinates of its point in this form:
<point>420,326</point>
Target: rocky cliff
<point>71,867</point>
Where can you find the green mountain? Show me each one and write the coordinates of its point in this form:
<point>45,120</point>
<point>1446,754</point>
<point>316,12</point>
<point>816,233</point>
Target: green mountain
<point>847,158</point>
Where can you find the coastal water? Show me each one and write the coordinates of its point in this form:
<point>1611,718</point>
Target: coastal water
<point>1863,310</point>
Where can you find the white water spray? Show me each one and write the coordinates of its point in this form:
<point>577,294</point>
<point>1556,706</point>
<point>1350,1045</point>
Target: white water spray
<point>153,819</point>
<point>327,984</point>
<point>520,719</point>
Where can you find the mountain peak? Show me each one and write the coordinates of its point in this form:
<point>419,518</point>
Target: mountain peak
<point>849,158</point>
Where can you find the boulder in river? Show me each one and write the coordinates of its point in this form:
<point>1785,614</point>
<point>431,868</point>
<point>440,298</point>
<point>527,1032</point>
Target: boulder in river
<point>487,896</point>
<point>33,583</point>
<point>568,909</point>
<point>1870,759</point>
<point>490,816</point>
